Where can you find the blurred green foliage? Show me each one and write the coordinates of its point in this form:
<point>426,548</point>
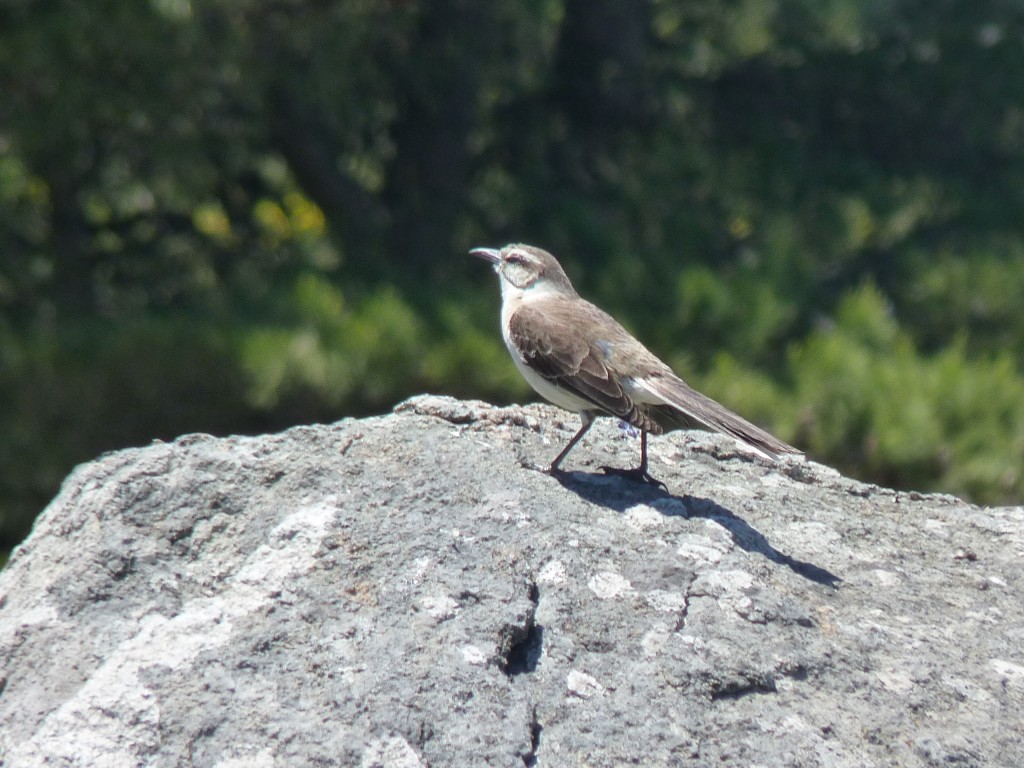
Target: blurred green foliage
<point>234,217</point>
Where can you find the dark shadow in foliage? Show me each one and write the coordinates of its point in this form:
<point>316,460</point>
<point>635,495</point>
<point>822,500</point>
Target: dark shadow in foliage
<point>621,494</point>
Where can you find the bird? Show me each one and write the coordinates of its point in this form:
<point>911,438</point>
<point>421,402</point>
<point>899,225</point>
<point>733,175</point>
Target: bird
<point>578,357</point>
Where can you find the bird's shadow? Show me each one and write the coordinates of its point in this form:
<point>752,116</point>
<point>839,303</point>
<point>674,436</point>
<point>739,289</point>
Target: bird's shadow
<point>620,494</point>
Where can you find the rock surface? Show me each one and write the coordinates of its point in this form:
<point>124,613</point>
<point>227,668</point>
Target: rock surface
<point>399,591</point>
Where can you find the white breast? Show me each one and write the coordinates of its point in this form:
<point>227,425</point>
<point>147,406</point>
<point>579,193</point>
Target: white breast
<point>512,299</point>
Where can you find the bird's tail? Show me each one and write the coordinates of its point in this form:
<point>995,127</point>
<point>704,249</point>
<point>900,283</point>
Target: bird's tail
<point>683,406</point>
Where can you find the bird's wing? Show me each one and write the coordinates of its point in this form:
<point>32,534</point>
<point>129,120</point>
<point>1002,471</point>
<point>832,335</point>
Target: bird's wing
<point>552,344</point>
<point>581,349</point>
<point>693,409</point>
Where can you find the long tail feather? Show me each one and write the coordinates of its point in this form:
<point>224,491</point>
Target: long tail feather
<point>692,409</point>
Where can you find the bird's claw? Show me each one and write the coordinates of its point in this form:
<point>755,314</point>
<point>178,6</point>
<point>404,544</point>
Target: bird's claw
<point>534,467</point>
<point>637,475</point>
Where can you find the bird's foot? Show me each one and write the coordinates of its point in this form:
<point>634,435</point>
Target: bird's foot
<point>637,475</point>
<point>535,467</point>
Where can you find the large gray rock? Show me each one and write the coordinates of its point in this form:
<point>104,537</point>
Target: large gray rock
<point>401,591</point>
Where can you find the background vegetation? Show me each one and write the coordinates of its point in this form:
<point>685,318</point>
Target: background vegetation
<point>235,216</point>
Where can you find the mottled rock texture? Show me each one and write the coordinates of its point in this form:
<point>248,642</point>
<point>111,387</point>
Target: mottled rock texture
<point>401,591</point>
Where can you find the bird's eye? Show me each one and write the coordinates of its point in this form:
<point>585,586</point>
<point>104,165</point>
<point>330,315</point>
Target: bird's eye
<point>515,258</point>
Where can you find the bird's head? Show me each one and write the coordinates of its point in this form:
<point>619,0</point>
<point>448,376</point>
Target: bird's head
<point>524,268</point>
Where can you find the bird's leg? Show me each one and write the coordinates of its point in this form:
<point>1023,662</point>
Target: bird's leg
<point>640,473</point>
<point>587,420</point>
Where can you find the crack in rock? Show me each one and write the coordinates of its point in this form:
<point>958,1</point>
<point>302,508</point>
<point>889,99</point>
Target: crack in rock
<point>530,758</point>
<point>743,685</point>
<point>521,644</point>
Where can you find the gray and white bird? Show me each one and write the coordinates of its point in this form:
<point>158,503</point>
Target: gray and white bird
<point>578,357</point>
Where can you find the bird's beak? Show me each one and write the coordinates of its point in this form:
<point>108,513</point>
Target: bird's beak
<point>492,255</point>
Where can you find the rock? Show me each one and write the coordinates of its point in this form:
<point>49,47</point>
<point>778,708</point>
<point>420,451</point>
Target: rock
<point>400,591</point>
